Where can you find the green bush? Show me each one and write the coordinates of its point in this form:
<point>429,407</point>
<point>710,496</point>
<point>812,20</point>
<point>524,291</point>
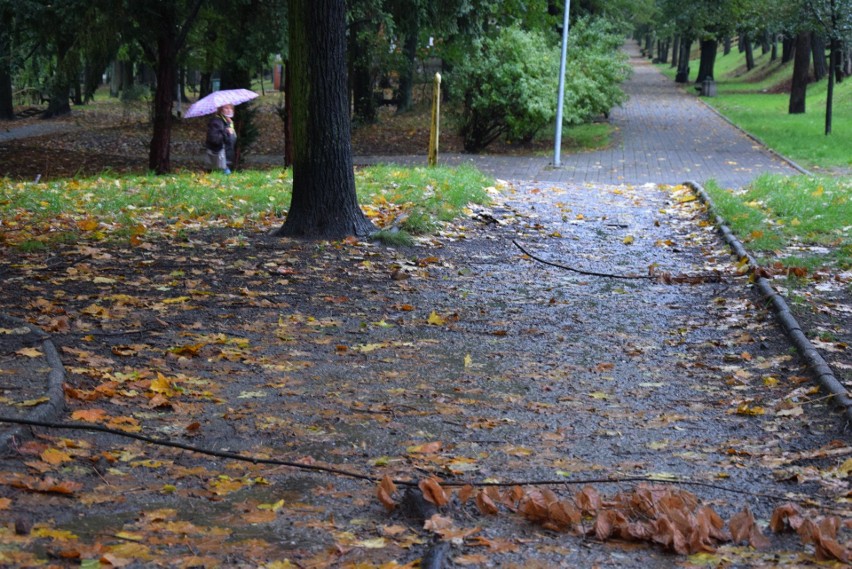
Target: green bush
<point>507,87</point>
<point>595,69</point>
<point>508,83</point>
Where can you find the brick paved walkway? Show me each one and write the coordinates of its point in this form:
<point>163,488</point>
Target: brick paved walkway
<point>664,135</point>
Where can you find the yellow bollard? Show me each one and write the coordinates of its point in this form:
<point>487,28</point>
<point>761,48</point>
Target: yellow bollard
<point>435,131</point>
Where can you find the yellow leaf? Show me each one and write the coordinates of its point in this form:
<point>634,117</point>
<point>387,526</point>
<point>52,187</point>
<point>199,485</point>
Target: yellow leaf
<point>33,402</point>
<point>177,300</point>
<point>52,533</point>
<point>468,361</point>
<point>274,507</point>
<point>745,409</point>
<point>598,395</point>
<point>375,543</point>
<point>435,319</point>
<point>29,352</point>
<point>845,468</point>
<point>795,222</point>
<point>628,240</point>
<point>88,224</point>
<point>818,192</point>
<point>130,536</point>
<point>162,385</point>
<point>55,457</point>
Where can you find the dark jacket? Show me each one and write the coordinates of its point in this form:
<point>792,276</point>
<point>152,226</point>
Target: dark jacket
<point>218,135</point>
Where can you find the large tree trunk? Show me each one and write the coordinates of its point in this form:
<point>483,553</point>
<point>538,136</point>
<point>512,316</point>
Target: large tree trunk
<point>801,67</point>
<point>323,204</point>
<point>708,59</point>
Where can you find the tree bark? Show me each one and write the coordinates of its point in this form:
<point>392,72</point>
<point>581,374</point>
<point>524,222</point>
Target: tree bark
<point>406,78</point>
<point>818,49</point>
<point>748,47</point>
<point>801,68</point>
<point>7,110</point>
<point>362,81</point>
<point>170,40</point>
<point>323,203</point>
<point>708,59</point>
<point>676,50</point>
<point>682,75</point>
<point>159,151</point>
<point>788,46</point>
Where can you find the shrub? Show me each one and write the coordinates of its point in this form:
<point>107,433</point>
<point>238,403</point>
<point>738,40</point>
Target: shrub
<point>508,83</point>
<point>595,69</point>
<point>507,87</point>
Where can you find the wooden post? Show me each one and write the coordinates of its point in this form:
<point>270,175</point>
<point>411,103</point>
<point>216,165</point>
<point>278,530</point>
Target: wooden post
<point>435,131</point>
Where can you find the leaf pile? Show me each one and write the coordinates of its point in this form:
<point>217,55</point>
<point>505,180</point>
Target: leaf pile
<point>667,516</point>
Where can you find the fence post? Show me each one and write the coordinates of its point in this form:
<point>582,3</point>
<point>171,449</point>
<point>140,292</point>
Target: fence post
<point>435,131</point>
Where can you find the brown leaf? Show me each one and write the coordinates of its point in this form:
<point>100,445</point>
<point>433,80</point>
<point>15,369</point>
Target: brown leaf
<point>563,515</point>
<point>465,492</point>
<point>784,517</point>
<point>385,491</point>
<point>588,500</point>
<point>485,504</point>
<point>432,492</point>
<point>744,528</point>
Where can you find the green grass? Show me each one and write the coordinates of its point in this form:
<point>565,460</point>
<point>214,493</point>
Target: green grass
<point>415,200</point>
<point>750,100</point>
<point>801,221</point>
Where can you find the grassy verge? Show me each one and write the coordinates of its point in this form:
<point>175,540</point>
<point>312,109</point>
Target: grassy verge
<point>136,208</point>
<point>801,222</point>
<point>757,101</point>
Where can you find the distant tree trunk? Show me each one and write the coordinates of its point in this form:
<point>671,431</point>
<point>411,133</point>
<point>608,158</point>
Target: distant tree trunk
<point>801,65</point>
<point>818,49</point>
<point>171,35</point>
<point>323,203</point>
<point>364,104</point>
<point>205,84</point>
<point>788,46</point>
<point>726,45</point>
<point>676,50</point>
<point>764,42</point>
<point>749,52</point>
<point>649,45</point>
<point>682,75</point>
<point>159,151</point>
<point>7,110</point>
<point>774,49</point>
<point>834,62</point>
<point>406,78</point>
<point>708,59</point>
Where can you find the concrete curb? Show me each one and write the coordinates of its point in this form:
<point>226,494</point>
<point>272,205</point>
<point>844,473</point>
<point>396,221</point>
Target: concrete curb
<point>55,405</point>
<point>815,362</point>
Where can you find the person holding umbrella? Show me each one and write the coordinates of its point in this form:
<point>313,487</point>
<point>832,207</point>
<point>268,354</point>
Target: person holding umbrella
<point>221,139</point>
<point>221,134</point>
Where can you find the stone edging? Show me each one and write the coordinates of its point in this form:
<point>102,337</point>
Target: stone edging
<point>817,365</point>
<point>55,404</point>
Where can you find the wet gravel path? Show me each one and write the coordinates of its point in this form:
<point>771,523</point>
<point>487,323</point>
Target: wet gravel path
<point>504,368</point>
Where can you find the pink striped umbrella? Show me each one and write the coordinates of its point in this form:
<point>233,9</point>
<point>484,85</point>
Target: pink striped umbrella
<point>208,105</point>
